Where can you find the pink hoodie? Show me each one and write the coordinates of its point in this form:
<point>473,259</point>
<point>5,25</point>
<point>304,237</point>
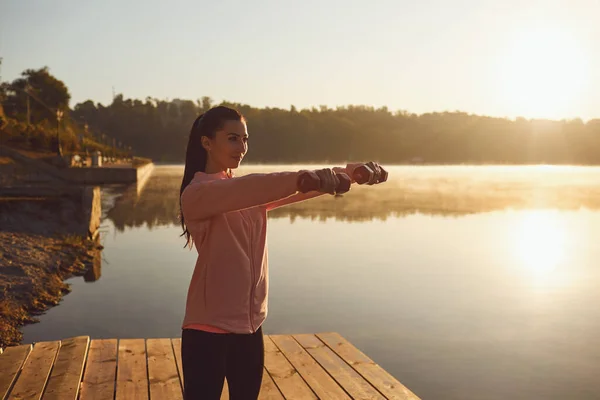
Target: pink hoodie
<point>227,220</point>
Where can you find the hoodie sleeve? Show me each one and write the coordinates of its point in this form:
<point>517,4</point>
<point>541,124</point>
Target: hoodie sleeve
<point>299,197</point>
<point>295,198</point>
<point>204,199</point>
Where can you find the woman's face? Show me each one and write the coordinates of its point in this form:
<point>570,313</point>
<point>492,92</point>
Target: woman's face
<point>228,147</point>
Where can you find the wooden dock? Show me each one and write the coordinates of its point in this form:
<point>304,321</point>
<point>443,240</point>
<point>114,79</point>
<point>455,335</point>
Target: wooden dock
<point>306,366</point>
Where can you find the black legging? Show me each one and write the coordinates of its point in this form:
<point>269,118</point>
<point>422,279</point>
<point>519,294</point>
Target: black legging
<point>208,358</point>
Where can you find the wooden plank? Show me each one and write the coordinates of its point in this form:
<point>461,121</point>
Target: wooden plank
<point>100,371</point>
<point>68,369</point>
<point>177,350</point>
<point>285,376</point>
<point>132,378</point>
<point>344,375</point>
<point>268,389</point>
<point>11,361</point>
<point>377,376</point>
<point>319,381</point>
<point>162,370</point>
<point>225,392</point>
<point>33,378</point>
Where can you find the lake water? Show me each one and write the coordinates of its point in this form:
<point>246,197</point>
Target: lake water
<point>463,282</point>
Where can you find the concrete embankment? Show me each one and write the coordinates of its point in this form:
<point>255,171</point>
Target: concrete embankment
<point>106,174</point>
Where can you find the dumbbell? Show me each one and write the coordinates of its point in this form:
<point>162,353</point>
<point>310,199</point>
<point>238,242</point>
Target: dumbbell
<point>308,183</point>
<point>364,173</point>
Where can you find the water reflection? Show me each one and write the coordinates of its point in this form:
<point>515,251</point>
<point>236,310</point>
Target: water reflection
<point>152,203</point>
<point>541,241</point>
<point>445,191</point>
<point>544,249</point>
<point>94,271</point>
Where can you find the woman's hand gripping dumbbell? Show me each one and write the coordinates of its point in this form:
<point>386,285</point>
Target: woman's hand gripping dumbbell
<point>369,173</point>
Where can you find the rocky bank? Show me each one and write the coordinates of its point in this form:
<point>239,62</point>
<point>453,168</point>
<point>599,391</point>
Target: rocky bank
<point>38,251</point>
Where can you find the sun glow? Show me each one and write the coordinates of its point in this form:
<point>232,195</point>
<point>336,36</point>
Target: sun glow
<point>541,247</point>
<point>544,74</point>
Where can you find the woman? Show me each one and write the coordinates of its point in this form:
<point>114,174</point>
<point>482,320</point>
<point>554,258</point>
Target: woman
<point>225,217</point>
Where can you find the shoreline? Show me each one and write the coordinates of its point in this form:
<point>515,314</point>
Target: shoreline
<point>49,232</point>
<point>41,246</point>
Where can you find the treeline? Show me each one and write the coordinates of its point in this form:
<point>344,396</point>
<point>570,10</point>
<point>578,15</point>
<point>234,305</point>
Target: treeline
<point>159,129</point>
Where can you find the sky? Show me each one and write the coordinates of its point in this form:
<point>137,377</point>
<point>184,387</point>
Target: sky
<point>530,58</point>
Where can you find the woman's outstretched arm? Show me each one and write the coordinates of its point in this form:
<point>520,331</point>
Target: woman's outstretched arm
<point>203,199</point>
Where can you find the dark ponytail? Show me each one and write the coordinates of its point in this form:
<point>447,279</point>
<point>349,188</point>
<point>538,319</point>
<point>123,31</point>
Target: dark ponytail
<point>206,124</point>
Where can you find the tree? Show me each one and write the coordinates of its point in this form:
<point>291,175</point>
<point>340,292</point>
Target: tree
<point>36,96</point>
